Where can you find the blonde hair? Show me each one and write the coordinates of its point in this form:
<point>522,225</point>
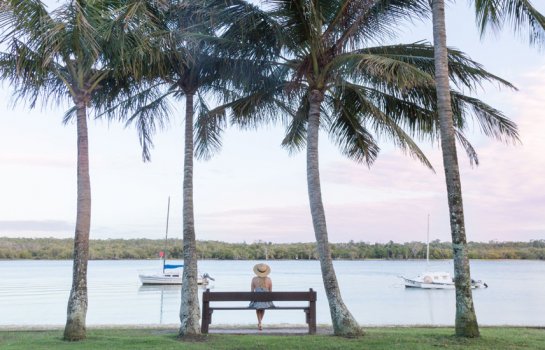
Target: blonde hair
<point>261,282</point>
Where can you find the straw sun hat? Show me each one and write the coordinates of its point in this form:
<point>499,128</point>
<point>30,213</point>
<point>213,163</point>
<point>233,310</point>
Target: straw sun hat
<point>262,270</point>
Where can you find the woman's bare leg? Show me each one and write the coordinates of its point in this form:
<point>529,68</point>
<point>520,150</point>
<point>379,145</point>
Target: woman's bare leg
<point>260,314</point>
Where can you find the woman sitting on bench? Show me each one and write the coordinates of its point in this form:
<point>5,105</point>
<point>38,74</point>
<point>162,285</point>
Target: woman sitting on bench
<point>261,283</point>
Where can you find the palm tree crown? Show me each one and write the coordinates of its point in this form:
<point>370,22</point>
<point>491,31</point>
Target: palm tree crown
<point>370,92</point>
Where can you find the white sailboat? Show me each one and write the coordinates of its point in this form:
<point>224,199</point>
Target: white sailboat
<point>171,274</point>
<point>435,279</point>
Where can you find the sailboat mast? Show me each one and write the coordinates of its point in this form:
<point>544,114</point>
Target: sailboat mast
<point>428,244</point>
<point>166,236</point>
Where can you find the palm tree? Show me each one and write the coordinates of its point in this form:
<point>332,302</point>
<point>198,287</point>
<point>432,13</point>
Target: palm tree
<point>489,13</point>
<point>194,63</point>
<point>60,56</point>
<point>329,77</point>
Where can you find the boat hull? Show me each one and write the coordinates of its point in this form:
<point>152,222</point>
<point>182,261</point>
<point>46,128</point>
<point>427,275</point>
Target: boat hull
<point>411,283</point>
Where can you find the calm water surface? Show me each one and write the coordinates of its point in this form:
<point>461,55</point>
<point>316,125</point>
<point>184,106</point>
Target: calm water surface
<point>36,292</point>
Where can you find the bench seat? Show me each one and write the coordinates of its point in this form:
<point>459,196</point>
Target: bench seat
<point>249,308</point>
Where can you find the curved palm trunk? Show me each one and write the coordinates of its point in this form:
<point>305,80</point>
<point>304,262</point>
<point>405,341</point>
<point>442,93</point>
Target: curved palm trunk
<point>343,321</point>
<point>466,321</point>
<point>189,310</point>
<point>77,303</point>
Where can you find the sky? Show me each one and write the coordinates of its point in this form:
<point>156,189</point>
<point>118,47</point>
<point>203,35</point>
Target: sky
<point>254,190</point>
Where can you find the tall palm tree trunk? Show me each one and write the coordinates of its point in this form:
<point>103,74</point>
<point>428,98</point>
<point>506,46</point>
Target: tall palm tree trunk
<point>466,321</point>
<point>77,303</point>
<point>343,321</point>
<point>189,310</point>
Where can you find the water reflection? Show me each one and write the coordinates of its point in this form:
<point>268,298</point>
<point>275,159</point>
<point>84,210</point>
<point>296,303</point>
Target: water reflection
<point>427,304</point>
<point>169,297</point>
<point>169,288</point>
<point>160,290</point>
<point>156,288</point>
<point>430,307</point>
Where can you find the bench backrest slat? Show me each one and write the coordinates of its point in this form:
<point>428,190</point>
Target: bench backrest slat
<point>259,296</point>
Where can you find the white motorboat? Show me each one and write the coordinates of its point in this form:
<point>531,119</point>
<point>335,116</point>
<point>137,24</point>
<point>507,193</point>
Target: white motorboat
<point>436,279</point>
<point>171,274</point>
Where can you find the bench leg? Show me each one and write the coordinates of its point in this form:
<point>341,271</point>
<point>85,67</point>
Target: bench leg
<point>311,321</point>
<point>312,318</point>
<point>206,318</point>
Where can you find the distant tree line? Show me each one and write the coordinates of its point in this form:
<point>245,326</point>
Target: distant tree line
<point>113,249</point>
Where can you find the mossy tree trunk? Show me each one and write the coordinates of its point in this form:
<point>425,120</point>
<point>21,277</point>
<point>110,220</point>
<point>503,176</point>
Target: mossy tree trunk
<point>343,322</point>
<point>189,310</point>
<point>466,320</point>
<point>75,328</point>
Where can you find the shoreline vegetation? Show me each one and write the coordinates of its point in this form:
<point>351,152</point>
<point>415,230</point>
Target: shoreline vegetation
<point>141,249</point>
<point>421,338</point>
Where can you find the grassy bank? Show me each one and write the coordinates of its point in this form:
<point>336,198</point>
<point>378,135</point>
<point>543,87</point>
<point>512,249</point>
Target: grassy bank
<point>375,338</point>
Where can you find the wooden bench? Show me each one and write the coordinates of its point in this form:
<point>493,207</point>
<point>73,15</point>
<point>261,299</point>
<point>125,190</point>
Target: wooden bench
<point>208,296</point>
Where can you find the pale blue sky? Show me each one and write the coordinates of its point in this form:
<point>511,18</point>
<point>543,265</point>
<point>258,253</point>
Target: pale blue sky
<point>253,190</point>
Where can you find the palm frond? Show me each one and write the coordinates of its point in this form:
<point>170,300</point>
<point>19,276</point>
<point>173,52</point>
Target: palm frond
<point>368,21</point>
<point>346,128</point>
<point>24,20</point>
<point>148,110</point>
<point>463,71</point>
<point>296,130</point>
<point>384,120</point>
<point>296,20</point>
<point>380,70</point>
<point>32,81</point>
<point>265,101</point>
<point>254,110</point>
<point>413,110</point>
<point>492,122</point>
<point>246,29</point>
<point>69,115</point>
<point>470,151</point>
<point>520,14</point>
<point>208,129</point>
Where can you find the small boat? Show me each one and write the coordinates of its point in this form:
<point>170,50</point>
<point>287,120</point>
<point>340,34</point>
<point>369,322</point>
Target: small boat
<point>436,279</point>
<point>171,274</point>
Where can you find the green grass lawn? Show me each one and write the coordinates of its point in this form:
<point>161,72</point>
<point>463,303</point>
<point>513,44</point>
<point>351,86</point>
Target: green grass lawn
<point>375,338</point>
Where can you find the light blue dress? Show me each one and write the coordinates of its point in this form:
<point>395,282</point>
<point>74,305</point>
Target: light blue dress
<point>261,305</point>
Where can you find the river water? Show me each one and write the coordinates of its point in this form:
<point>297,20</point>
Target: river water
<point>35,292</point>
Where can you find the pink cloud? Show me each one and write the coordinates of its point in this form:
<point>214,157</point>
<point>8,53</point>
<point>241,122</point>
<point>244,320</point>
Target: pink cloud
<point>42,160</point>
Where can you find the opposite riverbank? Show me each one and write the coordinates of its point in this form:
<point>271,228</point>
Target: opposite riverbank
<point>136,249</point>
<point>375,338</point>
